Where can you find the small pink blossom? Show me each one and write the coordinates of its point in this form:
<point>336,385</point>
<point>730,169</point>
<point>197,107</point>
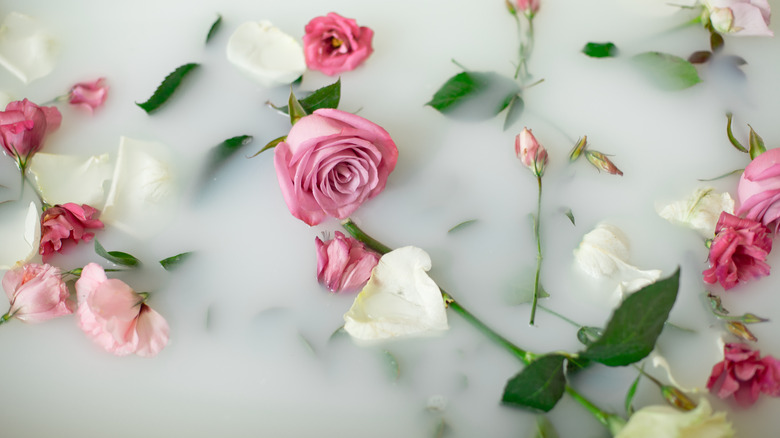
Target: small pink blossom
<point>530,152</point>
<point>743,374</point>
<point>37,293</point>
<point>66,224</point>
<point>334,44</point>
<point>89,95</point>
<point>739,17</point>
<point>23,127</point>
<point>758,191</point>
<point>529,7</point>
<point>116,317</point>
<point>344,263</point>
<point>738,252</point>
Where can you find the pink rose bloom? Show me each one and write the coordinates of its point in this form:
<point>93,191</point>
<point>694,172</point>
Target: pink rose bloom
<point>739,17</point>
<point>530,152</point>
<point>744,375</point>
<point>334,44</point>
<point>758,191</point>
<point>23,126</point>
<point>89,95</point>
<point>344,263</point>
<point>738,252</point>
<point>66,224</point>
<point>528,6</point>
<point>331,162</point>
<point>37,293</point>
<point>116,317</point>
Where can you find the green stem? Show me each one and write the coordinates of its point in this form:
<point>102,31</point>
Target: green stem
<point>5,318</point>
<point>360,235</point>
<point>553,312</point>
<point>608,420</point>
<point>538,251</point>
<point>526,47</point>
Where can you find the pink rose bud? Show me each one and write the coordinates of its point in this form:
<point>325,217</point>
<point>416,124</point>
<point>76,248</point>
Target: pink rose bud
<point>739,17</point>
<point>758,191</point>
<point>63,225</point>
<point>334,44</point>
<point>331,162</point>
<point>344,263</point>
<point>23,127</point>
<point>738,251</point>
<point>602,162</point>
<point>117,318</point>
<point>530,152</point>
<point>528,7</point>
<point>743,374</point>
<point>37,293</point>
<point>89,95</point>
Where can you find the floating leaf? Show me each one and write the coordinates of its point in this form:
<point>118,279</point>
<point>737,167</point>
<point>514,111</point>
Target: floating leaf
<point>600,50</point>
<point>325,97</point>
<point>544,428</point>
<point>220,153</point>
<point>116,257</point>
<point>271,144</point>
<point>636,324</point>
<point>462,225</point>
<point>171,263</point>
<point>516,106</point>
<point>666,71</point>
<point>539,385</point>
<point>520,289</point>
<point>214,27</point>
<point>166,88</point>
<point>392,365</point>
<point>569,214</point>
<point>475,95</point>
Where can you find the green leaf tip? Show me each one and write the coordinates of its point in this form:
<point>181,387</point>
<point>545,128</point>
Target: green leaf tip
<point>328,96</point>
<point>214,28</point>
<point>481,95</point>
<point>117,257</point>
<point>166,89</point>
<point>600,50</point>
<point>173,262</point>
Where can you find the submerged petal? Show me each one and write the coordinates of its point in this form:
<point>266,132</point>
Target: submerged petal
<point>26,48</point>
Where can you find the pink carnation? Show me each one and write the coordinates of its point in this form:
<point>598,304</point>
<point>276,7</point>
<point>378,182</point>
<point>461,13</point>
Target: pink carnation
<point>23,126</point>
<point>89,95</point>
<point>37,293</point>
<point>344,263</point>
<point>333,44</point>
<point>743,374</point>
<point>66,224</point>
<point>738,252</point>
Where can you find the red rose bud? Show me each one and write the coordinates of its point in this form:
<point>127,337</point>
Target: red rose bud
<point>530,152</point>
<point>602,162</point>
<point>578,148</point>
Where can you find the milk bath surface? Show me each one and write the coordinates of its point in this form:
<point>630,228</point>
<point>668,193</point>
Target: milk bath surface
<point>252,349</point>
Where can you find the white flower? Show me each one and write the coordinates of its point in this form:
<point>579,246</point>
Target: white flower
<point>400,299</point>
<point>20,233</point>
<point>700,211</point>
<point>26,48</point>
<point>53,175</point>
<point>266,54</point>
<point>666,421</point>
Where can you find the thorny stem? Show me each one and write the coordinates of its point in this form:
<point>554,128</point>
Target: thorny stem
<point>538,251</point>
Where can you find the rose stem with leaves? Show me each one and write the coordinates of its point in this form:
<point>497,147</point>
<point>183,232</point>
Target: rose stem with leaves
<point>606,419</point>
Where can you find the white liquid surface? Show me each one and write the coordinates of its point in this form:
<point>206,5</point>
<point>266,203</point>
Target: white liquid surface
<point>250,354</point>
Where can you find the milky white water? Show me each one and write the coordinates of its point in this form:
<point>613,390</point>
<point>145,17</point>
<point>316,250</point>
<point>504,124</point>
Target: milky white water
<point>251,352</point>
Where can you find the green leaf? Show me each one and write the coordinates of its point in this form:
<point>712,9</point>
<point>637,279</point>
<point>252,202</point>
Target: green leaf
<point>666,71</point>
<point>635,326</point>
<point>520,289</point>
<point>539,386</point>
<point>516,106</point>
<point>462,225</point>
<point>296,110</point>
<point>630,395</point>
<point>325,97</point>
<point>733,172</point>
<point>171,263</point>
<point>733,140</point>
<point>221,152</point>
<point>756,144</point>
<point>600,50</point>
<point>392,365</point>
<point>214,27</point>
<point>116,257</point>
<point>544,428</point>
<point>474,95</point>
<point>569,214</point>
<point>166,88</point>
<point>271,144</point>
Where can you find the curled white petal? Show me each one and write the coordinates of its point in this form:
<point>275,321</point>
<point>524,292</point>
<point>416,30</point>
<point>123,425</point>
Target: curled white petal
<point>20,233</point>
<point>26,48</point>
<point>400,299</point>
<point>266,54</point>
<point>68,178</point>
<point>700,211</point>
<point>660,362</point>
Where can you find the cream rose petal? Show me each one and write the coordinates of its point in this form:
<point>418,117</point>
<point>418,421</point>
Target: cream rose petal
<point>66,178</point>
<point>399,300</point>
<point>666,421</point>
<point>266,54</point>
<point>20,233</point>
<point>26,49</point>
<point>700,211</point>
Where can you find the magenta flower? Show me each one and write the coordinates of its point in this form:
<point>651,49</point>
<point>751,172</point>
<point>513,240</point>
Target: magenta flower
<point>743,374</point>
<point>344,263</point>
<point>66,224</point>
<point>23,127</point>
<point>758,191</point>
<point>334,44</point>
<point>89,95</point>
<point>116,317</point>
<point>37,293</point>
<point>738,252</point>
<point>530,152</point>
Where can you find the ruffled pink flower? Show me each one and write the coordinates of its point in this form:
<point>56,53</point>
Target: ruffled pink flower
<point>333,44</point>
<point>740,17</point>
<point>528,6</point>
<point>116,317</point>
<point>37,293</point>
<point>743,374</point>
<point>738,252</point>
<point>23,126</point>
<point>344,263</point>
<point>331,162</point>
<point>89,95</point>
<point>758,191</point>
<point>63,225</point>
<point>530,152</point>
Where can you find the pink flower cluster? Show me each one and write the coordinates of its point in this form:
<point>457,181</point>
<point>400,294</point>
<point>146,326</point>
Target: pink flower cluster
<point>64,225</point>
<point>744,375</point>
<point>344,263</point>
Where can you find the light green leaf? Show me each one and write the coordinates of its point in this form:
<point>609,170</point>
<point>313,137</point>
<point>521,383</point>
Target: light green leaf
<point>539,385</point>
<point>630,395</point>
<point>516,106</point>
<point>117,257</point>
<point>392,365</point>
<point>544,428</point>
<point>462,225</point>
<point>271,144</point>
<point>474,95</point>
<point>600,50</point>
<point>666,71</point>
<point>166,88</point>
<point>171,263</point>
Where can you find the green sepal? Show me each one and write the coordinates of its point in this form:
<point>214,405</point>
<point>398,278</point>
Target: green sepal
<point>271,144</point>
<point>296,109</point>
<point>733,139</point>
<point>600,50</point>
<point>539,385</point>
<point>480,95</point>
<point>756,144</point>
<point>117,257</point>
<point>172,262</point>
<point>166,89</point>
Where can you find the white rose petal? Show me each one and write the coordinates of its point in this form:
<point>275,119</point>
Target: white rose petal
<point>666,421</point>
<point>700,211</point>
<point>20,233</point>
<point>400,299</point>
<point>266,54</point>
<point>26,49</point>
<point>659,361</point>
<point>66,178</point>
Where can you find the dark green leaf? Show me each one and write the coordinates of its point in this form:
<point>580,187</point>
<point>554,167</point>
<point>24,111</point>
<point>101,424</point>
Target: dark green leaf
<point>636,324</point>
<point>539,386</point>
<point>600,50</point>
<point>666,71</point>
<point>630,395</point>
<point>116,257</point>
<point>325,97</point>
<point>462,225</point>
<point>166,88</point>
<point>516,106</point>
<point>214,27</point>
<point>474,95</point>
<point>544,428</point>
<point>271,144</point>
<point>172,262</point>
<point>221,152</point>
